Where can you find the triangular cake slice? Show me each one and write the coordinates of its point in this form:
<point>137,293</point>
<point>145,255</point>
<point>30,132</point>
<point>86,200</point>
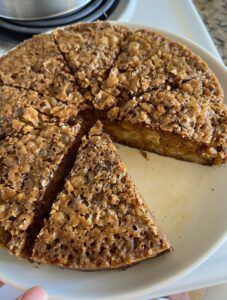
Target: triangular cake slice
<point>23,110</point>
<point>38,64</point>
<point>172,123</point>
<point>90,50</point>
<point>99,220</point>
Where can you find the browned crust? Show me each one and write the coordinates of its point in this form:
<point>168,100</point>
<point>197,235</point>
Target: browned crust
<point>118,268</point>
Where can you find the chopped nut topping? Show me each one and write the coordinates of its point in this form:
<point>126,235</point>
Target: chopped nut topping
<point>31,115</point>
<point>23,110</point>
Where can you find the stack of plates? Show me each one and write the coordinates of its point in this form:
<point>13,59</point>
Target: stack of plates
<point>94,10</point>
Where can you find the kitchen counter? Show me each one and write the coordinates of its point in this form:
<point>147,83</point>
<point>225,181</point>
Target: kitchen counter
<point>214,14</point>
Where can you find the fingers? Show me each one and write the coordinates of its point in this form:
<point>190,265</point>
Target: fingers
<point>35,293</point>
<point>1,284</point>
<point>183,296</point>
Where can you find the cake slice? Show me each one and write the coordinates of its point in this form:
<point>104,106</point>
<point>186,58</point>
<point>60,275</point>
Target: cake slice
<point>172,123</point>
<point>90,50</point>
<point>32,169</point>
<point>38,64</point>
<point>23,110</point>
<point>99,220</point>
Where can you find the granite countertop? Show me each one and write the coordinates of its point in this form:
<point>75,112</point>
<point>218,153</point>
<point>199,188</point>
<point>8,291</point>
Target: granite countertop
<point>214,14</point>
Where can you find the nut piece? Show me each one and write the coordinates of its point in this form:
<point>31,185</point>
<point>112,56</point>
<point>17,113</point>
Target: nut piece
<point>31,115</point>
<point>104,101</point>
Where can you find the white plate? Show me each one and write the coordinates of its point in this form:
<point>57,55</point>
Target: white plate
<point>190,204</point>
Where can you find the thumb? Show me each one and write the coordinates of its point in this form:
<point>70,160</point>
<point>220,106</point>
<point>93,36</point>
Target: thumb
<point>35,293</point>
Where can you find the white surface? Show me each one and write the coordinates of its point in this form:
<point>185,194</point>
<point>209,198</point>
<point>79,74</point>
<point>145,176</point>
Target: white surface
<point>210,273</point>
<point>217,293</point>
<point>184,199</point>
<point>176,16</point>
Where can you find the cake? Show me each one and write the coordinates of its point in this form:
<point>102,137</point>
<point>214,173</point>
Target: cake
<point>99,220</point>
<point>172,123</point>
<point>149,92</point>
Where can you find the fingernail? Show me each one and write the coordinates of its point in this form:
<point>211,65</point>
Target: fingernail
<point>35,293</point>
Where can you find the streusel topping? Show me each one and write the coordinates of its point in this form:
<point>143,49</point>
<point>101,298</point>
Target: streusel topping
<point>23,110</point>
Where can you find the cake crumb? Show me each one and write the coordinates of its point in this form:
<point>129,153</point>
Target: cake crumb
<point>144,154</point>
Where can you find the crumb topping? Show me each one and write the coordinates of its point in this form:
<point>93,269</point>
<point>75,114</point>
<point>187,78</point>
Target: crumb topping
<point>151,61</point>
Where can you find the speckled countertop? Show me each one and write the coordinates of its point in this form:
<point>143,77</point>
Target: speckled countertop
<point>214,14</point>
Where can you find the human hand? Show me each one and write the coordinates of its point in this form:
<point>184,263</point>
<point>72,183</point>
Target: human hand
<point>35,293</point>
<point>182,296</point>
